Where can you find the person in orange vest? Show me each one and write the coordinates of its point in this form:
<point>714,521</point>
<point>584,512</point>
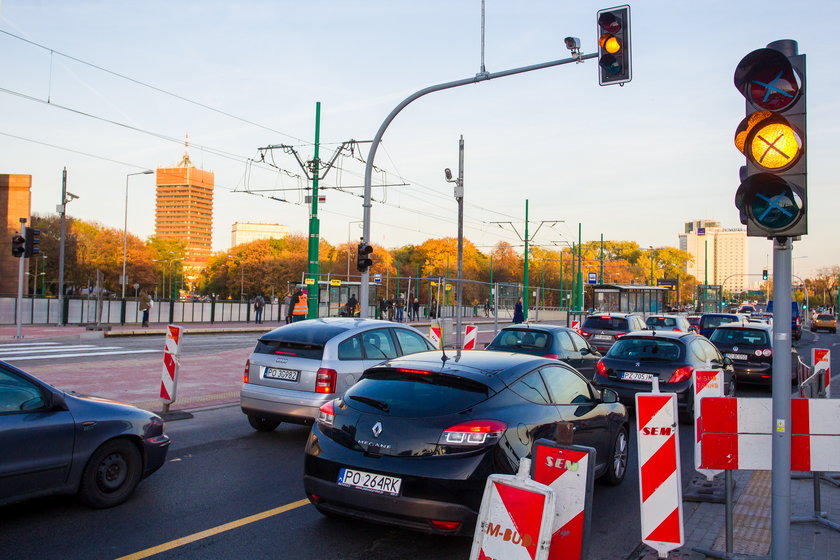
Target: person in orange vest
<point>300,305</point>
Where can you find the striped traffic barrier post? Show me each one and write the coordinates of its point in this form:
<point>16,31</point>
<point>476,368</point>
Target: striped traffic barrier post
<point>470,335</point>
<point>435,336</point>
<point>171,364</point>
<point>821,360</point>
<point>706,383</point>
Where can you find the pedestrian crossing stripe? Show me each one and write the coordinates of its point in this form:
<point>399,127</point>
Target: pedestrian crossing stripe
<point>54,350</point>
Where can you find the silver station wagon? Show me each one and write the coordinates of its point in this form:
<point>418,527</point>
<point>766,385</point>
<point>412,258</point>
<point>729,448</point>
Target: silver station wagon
<point>297,368</point>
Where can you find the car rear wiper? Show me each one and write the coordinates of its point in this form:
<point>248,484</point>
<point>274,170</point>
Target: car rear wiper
<point>376,403</point>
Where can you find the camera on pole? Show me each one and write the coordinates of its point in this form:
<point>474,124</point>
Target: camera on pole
<point>772,197</point>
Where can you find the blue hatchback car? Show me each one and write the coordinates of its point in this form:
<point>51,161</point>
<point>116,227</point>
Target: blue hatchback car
<point>710,321</point>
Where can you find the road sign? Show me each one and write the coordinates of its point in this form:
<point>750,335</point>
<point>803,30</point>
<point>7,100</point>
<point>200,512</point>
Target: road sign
<point>377,278</point>
<point>335,282</point>
<point>707,383</point>
<point>308,281</point>
<point>593,278</point>
<point>470,334</point>
<point>701,231</point>
<point>171,364</point>
<point>821,359</point>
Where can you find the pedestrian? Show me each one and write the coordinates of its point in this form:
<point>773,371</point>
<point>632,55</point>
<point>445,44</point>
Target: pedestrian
<point>351,305</point>
<point>382,308</point>
<point>400,305</point>
<point>300,305</point>
<point>259,304</point>
<point>433,309</point>
<point>145,306</point>
<point>390,303</point>
<point>415,306</point>
<point>518,315</point>
<point>487,307</point>
<point>287,307</point>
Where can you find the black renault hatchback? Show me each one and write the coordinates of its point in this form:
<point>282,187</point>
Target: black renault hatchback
<point>412,443</point>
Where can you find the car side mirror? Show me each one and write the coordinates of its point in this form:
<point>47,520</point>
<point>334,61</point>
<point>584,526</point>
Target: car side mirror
<point>727,361</point>
<point>585,351</point>
<point>609,396</point>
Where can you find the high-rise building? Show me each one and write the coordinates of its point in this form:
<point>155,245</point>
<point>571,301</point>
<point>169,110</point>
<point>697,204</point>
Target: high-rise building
<point>725,250</point>
<point>184,211</point>
<point>15,200</point>
<point>245,232</point>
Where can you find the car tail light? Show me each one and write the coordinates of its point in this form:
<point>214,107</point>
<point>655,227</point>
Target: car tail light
<point>601,369</point>
<point>325,380</point>
<point>315,498</point>
<point>619,335</point>
<point>474,432</point>
<point>417,371</point>
<point>446,525</point>
<point>326,414</point>
<point>676,329</point>
<point>247,375</point>
<point>682,374</point>
<point>798,321</point>
<point>582,332</point>
<point>555,356</point>
<point>766,352</point>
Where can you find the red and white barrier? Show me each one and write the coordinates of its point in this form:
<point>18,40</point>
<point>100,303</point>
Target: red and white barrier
<point>707,383</point>
<point>569,471</point>
<point>575,325</point>
<point>470,335</point>
<point>171,364</point>
<point>821,359</point>
<point>515,519</point>
<point>660,488</point>
<point>738,434</point>
<point>435,336</point>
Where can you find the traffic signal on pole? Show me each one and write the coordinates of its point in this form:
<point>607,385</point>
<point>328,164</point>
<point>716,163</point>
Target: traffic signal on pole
<point>32,241</point>
<point>772,197</point>
<point>363,260</point>
<point>764,274</point>
<point>18,245</point>
<point>614,64</point>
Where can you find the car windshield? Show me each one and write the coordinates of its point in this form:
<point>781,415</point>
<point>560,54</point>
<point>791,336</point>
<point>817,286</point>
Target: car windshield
<point>694,321</point>
<point>415,393</point>
<point>647,348</point>
<point>741,336</point>
<point>714,321</point>
<point>514,339</point>
<point>606,323</point>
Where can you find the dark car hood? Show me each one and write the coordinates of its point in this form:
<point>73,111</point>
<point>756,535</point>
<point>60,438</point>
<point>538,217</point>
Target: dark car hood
<point>79,402</point>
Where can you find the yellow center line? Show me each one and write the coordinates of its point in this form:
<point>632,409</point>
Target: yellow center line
<point>214,531</point>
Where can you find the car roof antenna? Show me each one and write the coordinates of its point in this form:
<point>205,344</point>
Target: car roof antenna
<point>443,357</point>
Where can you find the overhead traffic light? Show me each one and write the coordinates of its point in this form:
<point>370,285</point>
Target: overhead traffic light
<point>18,245</point>
<point>764,274</point>
<point>32,242</point>
<point>614,64</point>
<point>363,261</point>
<point>772,197</point>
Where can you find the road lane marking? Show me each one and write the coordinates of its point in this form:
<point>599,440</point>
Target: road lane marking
<point>38,350</point>
<point>80,355</point>
<point>214,531</point>
<point>28,344</point>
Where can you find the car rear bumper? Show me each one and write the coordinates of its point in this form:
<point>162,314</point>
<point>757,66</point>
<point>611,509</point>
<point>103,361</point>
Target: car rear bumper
<point>281,405</point>
<point>627,391</point>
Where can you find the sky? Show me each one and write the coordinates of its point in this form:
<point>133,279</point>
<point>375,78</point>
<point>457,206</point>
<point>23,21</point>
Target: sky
<point>110,88</point>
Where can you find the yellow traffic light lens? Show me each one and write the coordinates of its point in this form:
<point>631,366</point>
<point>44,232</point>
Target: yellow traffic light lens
<point>610,43</point>
<point>774,145</point>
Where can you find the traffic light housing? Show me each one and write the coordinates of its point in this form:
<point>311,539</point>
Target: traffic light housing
<point>614,62</point>
<point>772,197</point>
<point>363,260</point>
<point>32,240</point>
<point>764,274</point>
<point>18,245</point>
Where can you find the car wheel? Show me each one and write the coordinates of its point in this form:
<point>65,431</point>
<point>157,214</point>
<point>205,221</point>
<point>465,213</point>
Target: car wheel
<point>262,424</point>
<point>617,467</point>
<point>111,475</point>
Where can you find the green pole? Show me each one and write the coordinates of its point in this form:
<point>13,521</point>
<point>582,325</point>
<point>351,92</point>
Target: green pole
<point>837,309</point>
<point>525,272</point>
<point>573,287</point>
<point>491,279</point>
<point>601,276</point>
<point>706,276</point>
<point>561,278</point>
<point>314,225</point>
<point>580,270</point>
<point>542,283</point>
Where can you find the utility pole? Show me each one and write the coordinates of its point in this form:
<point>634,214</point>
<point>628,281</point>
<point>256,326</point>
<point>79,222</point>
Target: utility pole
<point>580,271</point>
<point>62,212</point>
<point>19,314</point>
<point>459,196</point>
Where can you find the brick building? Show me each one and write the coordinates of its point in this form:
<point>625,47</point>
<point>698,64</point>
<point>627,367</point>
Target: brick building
<point>15,203</point>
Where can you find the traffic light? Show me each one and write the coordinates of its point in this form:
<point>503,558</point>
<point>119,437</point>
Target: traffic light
<point>772,197</point>
<point>614,65</point>
<point>764,274</point>
<point>363,261</point>
<point>18,245</point>
<point>32,240</point>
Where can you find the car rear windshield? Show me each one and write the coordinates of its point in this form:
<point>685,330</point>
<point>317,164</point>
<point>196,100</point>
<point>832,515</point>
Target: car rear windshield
<point>741,336</point>
<point>606,323</point>
<point>415,394</point>
<point>514,339</point>
<point>305,340</point>
<point>661,322</point>
<point>714,321</point>
<point>647,348</point>
<point>825,317</point>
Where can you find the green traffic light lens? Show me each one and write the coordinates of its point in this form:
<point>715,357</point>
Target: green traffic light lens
<point>610,64</point>
<point>775,206</point>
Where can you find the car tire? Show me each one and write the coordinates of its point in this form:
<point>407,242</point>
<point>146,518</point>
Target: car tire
<point>617,467</point>
<point>262,424</point>
<point>111,475</point>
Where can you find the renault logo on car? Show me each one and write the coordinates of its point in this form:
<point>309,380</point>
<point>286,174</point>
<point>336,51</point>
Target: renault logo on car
<point>377,429</point>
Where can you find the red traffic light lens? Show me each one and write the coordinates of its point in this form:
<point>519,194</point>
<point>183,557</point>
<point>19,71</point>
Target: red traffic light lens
<point>609,23</point>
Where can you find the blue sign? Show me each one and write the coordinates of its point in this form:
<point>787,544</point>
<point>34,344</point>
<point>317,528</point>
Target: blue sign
<point>593,277</point>
<point>701,231</point>
<point>377,278</point>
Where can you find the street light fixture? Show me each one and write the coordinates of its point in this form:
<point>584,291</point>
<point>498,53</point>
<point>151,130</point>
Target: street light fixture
<point>125,226</point>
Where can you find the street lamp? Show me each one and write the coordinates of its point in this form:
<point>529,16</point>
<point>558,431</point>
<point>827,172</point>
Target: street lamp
<point>459,197</point>
<point>125,225</point>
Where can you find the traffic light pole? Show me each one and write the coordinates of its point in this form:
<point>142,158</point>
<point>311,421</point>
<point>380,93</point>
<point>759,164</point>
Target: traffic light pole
<point>19,314</point>
<point>364,289</point>
<point>782,315</point>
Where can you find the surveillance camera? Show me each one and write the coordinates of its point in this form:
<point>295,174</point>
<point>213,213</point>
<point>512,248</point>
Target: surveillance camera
<point>572,43</point>
<point>448,173</point>
<point>71,196</point>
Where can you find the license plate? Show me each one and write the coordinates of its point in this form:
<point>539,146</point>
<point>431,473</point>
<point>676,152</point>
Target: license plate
<point>737,356</point>
<point>602,337</point>
<point>636,376</point>
<point>370,482</point>
<point>281,374</point>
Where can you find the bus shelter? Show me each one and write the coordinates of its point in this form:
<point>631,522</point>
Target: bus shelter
<point>630,298</point>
